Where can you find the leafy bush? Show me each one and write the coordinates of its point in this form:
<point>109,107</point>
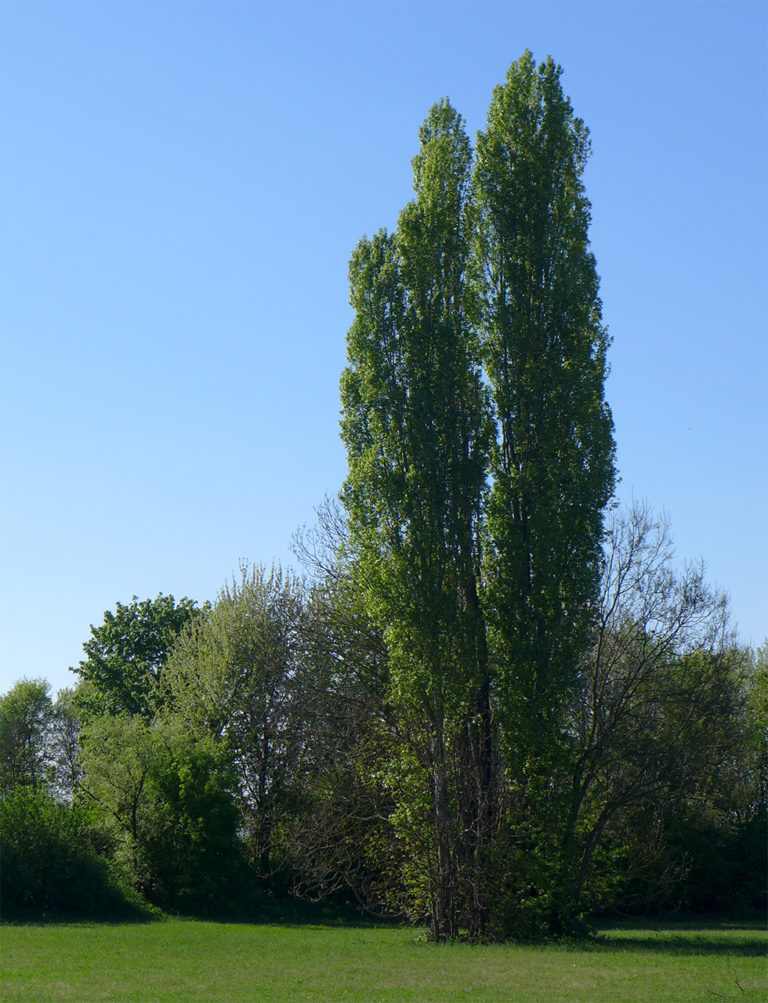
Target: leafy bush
<point>48,867</point>
<point>165,797</point>
<point>188,855</point>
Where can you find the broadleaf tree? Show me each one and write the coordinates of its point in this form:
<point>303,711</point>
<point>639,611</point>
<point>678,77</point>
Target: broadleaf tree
<point>235,675</point>
<point>26,714</point>
<point>126,654</point>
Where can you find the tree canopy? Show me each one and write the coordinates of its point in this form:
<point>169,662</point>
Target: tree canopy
<point>127,652</point>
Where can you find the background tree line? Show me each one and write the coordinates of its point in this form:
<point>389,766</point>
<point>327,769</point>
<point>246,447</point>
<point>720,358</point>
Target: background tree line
<point>260,754</point>
<point>493,704</point>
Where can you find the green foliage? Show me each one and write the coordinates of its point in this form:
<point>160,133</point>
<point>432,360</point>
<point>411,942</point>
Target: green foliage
<point>235,676</point>
<point>64,744</point>
<point>544,345</point>
<point>165,794</point>
<point>127,653</point>
<point>755,685</point>
<point>701,847</point>
<point>26,713</point>
<point>414,420</point>
<point>188,857</point>
<point>48,866</point>
<point>117,754</point>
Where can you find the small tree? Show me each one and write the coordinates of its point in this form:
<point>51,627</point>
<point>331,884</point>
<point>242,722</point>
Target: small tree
<point>234,675</point>
<point>659,703</point>
<point>65,744</point>
<point>166,795</point>
<point>26,715</point>
<point>339,836</point>
<point>117,754</point>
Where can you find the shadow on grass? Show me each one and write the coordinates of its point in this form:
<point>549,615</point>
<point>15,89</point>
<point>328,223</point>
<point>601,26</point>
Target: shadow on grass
<point>289,911</point>
<point>700,944</point>
<point>265,910</point>
<point>692,936</point>
<point>57,918</point>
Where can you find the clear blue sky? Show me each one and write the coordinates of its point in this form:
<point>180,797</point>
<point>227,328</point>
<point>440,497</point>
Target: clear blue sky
<point>181,187</point>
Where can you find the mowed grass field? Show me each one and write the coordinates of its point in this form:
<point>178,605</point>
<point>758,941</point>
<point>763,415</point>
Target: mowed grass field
<point>202,961</point>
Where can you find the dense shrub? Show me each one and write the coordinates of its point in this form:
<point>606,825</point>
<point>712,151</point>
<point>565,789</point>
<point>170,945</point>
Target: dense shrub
<point>48,866</point>
<point>188,856</point>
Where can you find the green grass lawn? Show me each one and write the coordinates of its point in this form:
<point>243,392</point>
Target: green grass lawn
<point>207,962</point>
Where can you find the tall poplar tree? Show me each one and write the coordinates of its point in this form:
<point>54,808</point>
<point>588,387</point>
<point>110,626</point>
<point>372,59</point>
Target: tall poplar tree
<point>481,458</point>
<point>415,427</point>
<point>544,347</point>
